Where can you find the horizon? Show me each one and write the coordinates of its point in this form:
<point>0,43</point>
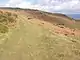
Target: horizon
<point>72,15</point>
<point>53,6</point>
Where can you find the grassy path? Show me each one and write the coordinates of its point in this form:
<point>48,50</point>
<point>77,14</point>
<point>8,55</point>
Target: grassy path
<point>22,42</point>
<point>33,42</point>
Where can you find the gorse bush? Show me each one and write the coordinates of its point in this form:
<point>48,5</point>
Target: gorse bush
<point>5,19</point>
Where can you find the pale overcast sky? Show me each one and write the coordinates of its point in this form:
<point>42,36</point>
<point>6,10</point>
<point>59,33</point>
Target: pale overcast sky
<point>63,6</point>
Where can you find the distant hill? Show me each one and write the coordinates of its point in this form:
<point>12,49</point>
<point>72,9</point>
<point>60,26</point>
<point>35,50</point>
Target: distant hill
<point>66,20</point>
<point>75,16</point>
<point>54,18</point>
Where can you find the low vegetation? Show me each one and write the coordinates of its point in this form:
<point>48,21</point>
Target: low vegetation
<point>3,28</point>
<point>6,18</point>
<point>37,38</point>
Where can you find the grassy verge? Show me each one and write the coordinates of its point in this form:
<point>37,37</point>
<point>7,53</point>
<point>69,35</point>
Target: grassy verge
<point>6,18</point>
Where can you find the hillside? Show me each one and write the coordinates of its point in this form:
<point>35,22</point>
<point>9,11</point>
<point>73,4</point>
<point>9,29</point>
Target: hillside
<point>52,18</point>
<point>36,35</point>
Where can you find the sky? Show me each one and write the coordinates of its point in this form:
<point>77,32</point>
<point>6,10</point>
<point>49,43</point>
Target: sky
<point>60,6</point>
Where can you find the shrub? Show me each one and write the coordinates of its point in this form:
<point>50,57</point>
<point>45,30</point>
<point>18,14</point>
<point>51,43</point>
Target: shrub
<point>7,17</point>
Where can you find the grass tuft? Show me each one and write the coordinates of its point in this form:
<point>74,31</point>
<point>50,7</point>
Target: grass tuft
<point>6,18</point>
<point>3,28</point>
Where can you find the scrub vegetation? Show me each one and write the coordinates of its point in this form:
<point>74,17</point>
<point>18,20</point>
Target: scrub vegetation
<point>37,36</point>
<point>6,18</point>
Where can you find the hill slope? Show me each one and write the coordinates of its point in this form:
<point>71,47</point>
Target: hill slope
<point>35,39</point>
<point>54,18</point>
